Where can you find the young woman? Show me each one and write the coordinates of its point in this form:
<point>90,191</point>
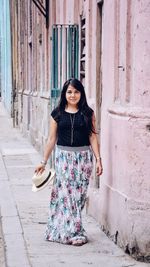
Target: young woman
<point>72,127</point>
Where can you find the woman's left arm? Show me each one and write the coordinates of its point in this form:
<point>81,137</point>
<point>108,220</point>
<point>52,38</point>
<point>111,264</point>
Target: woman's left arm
<point>95,147</point>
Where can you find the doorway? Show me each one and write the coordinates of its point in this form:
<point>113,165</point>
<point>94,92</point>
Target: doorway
<point>99,74</point>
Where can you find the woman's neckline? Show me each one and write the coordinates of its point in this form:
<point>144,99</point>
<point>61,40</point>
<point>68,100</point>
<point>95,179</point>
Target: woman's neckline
<point>71,112</point>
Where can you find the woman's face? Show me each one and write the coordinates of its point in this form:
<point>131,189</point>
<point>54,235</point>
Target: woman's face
<point>72,96</point>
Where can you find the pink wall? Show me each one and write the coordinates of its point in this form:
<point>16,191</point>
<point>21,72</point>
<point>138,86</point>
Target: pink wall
<point>122,204</point>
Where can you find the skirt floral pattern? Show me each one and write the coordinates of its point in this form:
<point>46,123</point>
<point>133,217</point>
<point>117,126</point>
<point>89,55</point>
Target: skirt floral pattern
<point>68,195</point>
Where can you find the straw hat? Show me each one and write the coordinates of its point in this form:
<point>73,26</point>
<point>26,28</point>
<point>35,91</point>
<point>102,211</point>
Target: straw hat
<point>41,180</point>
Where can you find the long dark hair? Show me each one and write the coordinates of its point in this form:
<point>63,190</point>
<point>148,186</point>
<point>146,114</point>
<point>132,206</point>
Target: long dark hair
<point>85,110</point>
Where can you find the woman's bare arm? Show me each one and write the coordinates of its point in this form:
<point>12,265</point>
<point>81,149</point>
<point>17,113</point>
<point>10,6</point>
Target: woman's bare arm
<point>95,147</point>
<point>52,138</point>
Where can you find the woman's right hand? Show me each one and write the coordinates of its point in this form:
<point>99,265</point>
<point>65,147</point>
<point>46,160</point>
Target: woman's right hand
<point>40,168</point>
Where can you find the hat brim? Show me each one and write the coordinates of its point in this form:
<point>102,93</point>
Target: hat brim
<point>50,181</point>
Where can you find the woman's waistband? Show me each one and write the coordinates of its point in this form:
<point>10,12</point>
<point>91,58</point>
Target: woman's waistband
<point>74,148</point>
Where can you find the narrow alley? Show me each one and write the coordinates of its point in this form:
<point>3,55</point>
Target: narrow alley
<point>24,215</point>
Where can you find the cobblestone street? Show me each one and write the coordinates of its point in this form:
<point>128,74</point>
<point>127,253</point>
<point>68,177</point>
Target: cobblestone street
<point>24,215</point>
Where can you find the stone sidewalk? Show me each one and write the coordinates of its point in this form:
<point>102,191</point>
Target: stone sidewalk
<point>24,215</point>
<point>2,255</point>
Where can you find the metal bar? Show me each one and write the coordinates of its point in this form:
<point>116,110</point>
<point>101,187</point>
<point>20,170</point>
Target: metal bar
<point>47,13</point>
<point>37,5</point>
<point>63,24</point>
<point>70,51</point>
<point>77,52</point>
<point>56,57</point>
<point>60,57</point>
<point>51,68</point>
<point>53,60</point>
<point>73,51</point>
<point>66,53</point>
<point>55,66</point>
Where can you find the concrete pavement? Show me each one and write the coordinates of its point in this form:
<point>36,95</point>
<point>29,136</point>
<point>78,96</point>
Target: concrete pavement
<point>2,255</point>
<point>24,215</point>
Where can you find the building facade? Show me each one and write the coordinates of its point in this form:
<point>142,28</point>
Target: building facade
<point>5,56</point>
<point>106,45</point>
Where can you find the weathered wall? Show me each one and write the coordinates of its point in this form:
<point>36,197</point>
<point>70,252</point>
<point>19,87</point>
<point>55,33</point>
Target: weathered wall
<point>34,74</point>
<point>32,64</point>
<point>122,204</point>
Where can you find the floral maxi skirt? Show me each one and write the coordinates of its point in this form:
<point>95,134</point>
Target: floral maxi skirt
<point>73,168</point>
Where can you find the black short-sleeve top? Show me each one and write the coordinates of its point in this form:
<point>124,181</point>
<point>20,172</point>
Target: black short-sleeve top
<point>66,136</point>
